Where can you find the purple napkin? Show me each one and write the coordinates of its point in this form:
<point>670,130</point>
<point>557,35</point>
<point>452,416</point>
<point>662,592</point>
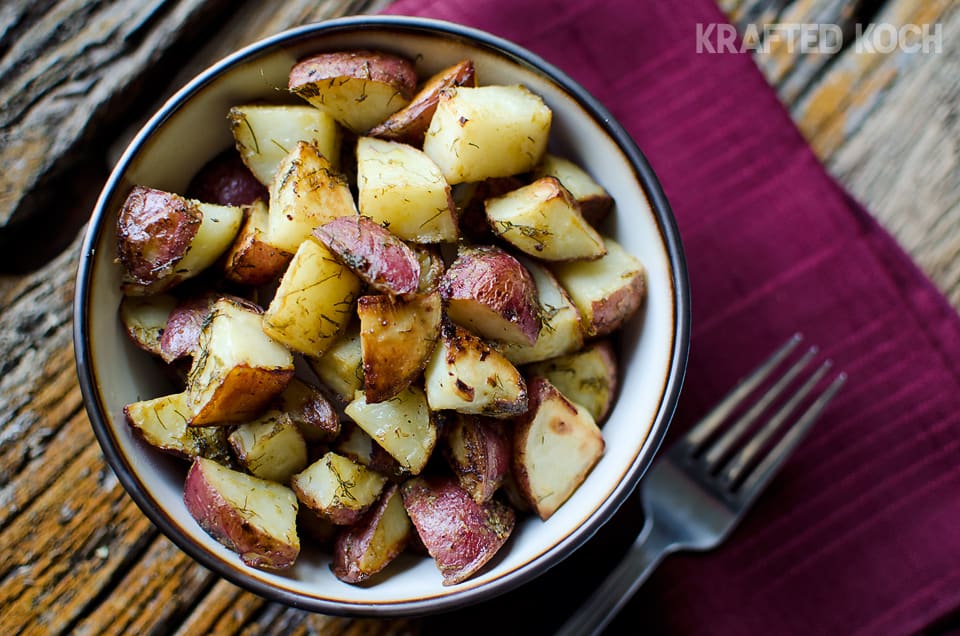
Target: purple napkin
<point>861,531</point>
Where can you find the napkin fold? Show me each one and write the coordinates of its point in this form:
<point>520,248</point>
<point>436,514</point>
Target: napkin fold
<point>860,533</point>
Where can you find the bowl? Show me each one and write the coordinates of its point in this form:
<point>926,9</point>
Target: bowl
<point>191,128</point>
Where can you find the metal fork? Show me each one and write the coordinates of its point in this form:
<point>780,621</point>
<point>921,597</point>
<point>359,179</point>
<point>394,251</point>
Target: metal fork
<point>704,484</point>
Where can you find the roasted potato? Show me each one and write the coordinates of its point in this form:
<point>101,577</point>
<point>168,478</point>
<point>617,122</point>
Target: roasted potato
<point>359,89</point>
<point>556,444</point>
<point>226,180</point>
<point>487,131</point>
<point>306,406</point>
<point>402,188</point>
<point>491,293</point>
<point>338,488</point>
<point>460,534</point>
<point>266,133</point>
<point>306,192</point>
<point>607,291</point>
<point>252,260</point>
<point>164,238</point>
<point>595,203</point>
<point>588,377</point>
<point>270,447</point>
<point>368,546</point>
<point>409,124</point>
<point>163,423</point>
<point>467,375</point>
<point>144,319</point>
<point>402,425</point>
<point>478,450</point>
<point>314,302</point>
<point>254,517</point>
<point>181,335</point>
<point>560,330</point>
<point>238,369</point>
<point>543,220</point>
<point>340,368</point>
<point>373,253</point>
<point>397,337</point>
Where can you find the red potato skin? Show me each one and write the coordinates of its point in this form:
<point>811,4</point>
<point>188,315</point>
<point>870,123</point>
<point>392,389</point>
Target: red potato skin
<point>491,276</point>
<point>351,544</point>
<point>488,449</point>
<point>154,231</point>
<point>181,337</point>
<point>376,66</point>
<point>409,124</point>
<point>378,257</point>
<point>226,180</point>
<point>220,521</point>
<point>460,534</point>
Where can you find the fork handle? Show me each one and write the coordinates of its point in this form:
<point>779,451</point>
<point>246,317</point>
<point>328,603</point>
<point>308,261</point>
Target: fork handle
<point>644,555</point>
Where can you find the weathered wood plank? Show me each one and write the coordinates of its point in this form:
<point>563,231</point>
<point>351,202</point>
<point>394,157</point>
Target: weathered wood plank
<point>64,66</point>
<point>901,157</point>
<point>151,597</point>
<point>84,529</point>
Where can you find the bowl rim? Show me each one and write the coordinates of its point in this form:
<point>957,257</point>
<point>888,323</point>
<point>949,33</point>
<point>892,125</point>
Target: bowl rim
<point>675,374</point>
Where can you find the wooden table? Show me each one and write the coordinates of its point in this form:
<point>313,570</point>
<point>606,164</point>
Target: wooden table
<point>77,554</point>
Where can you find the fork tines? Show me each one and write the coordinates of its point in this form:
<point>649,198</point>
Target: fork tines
<point>746,469</point>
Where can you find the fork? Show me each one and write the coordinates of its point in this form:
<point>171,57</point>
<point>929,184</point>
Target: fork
<point>704,484</point>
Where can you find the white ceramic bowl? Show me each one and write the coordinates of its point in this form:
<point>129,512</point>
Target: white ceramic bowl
<point>191,128</point>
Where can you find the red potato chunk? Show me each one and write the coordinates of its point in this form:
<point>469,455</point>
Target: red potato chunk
<point>378,257</point>
<point>460,534</point>
<point>491,293</point>
<point>555,446</point>
<point>359,89</point>
<point>154,232</point>
<point>254,517</point>
<point>478,450</point>
<point>371,544</point>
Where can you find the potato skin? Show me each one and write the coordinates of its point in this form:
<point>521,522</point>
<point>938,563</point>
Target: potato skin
<point>226,180</point>
<point>154,231</point>
<point>375,66</point>
<point>460,534</point>
<point>488,278</point>
<point>359,89</point>
<point>221,521</point>
<point>181,337</point>
<point>359,551</point>
<point>409,124</point>
<point>478,450</point>
<point>374,254</point>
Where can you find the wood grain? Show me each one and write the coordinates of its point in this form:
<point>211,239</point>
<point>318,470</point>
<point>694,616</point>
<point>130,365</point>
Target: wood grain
<point>78,82</point>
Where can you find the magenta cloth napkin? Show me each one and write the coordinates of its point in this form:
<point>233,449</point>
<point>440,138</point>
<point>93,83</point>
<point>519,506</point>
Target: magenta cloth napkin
<point>861,531</point>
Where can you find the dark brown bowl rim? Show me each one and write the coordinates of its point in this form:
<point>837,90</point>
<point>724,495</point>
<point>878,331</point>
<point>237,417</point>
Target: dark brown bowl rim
<point>537,566</point>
